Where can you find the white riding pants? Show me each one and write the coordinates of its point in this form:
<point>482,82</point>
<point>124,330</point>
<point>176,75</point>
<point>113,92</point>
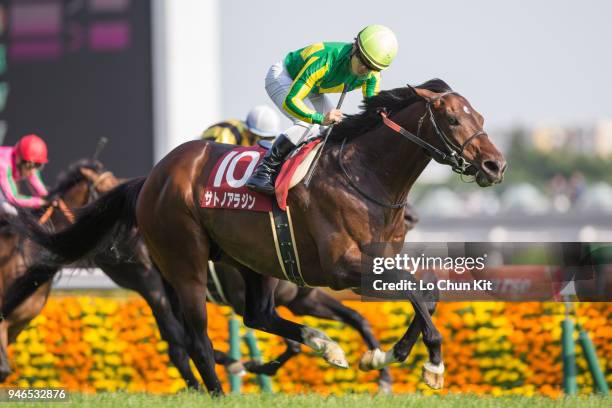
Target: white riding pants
<point>278,84</point>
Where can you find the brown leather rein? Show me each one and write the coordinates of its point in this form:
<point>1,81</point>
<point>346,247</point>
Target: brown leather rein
<point>454,157</point>
<point>62,206</point>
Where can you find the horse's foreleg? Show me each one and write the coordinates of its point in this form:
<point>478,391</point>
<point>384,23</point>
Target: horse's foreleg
<point>24,286</point>
<point>350,275</point>
<point>5,366</point>
<point>401,349</point>
<point>433,370</point>
<point>260,314</point>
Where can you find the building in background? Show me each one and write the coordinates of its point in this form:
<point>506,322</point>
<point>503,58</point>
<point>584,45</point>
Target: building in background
<point>603,138</point>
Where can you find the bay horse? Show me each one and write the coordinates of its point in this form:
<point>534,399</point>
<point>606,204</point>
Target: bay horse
<point>355,198</point>
<point>17,254</point>
<point>26,279</point>
<point>129,267</point>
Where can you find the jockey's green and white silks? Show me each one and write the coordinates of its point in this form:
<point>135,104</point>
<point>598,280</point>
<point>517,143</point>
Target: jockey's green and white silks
<point>323,68</point>
<point>278,85</point>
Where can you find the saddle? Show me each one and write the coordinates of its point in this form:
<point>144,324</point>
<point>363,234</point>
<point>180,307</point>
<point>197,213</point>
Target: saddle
<point>226,187</point>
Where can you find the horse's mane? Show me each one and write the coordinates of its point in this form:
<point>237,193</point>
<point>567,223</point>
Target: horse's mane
<point>68,178</point>
<point>392,101</point>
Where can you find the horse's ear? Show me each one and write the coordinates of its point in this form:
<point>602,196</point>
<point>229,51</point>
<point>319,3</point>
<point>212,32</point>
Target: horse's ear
<point>429,96</point>
<point>89,174</point>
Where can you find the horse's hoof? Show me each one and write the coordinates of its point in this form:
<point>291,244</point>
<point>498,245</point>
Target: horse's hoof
<point>384,388</point>
<point>335,356</point>
<point>236,368</point>
<point>433,375</point>
<point>324,346</point>
<point>375,359</point>
<point>365,363</point>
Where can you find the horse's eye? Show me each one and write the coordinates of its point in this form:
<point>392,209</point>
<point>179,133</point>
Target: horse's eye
<point>453,121</point>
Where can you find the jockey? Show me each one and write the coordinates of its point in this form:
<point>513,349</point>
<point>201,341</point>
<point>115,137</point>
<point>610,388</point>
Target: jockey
<point>23,161</point>
<point>261,123</point>
<point>297,86</point>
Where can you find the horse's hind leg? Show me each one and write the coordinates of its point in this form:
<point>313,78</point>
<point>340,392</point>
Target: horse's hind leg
<point>316,303</point>
<point>260,313</point>
<point>148,283</point>
<point>182,257</point>
<point>234,367</point>
<point>271,367</point>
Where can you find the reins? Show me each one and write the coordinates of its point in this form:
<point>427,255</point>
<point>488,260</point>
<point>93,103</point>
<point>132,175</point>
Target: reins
<point>63,207</point>
<point>60,204</point>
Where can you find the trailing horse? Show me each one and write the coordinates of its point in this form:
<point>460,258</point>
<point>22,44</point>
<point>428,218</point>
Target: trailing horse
<point>355,198</point>
<point>26,278</point>
<point>18,256</point>
<point>128,265</point>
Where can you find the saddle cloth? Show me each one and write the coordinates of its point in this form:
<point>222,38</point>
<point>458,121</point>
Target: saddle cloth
<point>226,185</point>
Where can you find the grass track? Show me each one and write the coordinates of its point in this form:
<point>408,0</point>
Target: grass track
<point>192,399</point>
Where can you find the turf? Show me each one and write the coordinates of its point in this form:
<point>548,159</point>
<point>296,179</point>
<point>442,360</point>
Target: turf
<point>193,399</point>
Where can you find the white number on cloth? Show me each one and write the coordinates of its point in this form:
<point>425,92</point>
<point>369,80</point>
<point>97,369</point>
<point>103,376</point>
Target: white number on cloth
<point>230,162</point>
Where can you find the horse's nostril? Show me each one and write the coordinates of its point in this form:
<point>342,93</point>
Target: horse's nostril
<point>492,166</point>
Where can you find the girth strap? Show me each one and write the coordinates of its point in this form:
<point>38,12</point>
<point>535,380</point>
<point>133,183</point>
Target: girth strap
<point>284,242</point>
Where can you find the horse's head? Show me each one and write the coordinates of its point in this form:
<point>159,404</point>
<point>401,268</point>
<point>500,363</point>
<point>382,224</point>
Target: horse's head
<point>460,130</point>
<point>81,183</point>
<point>100,182</point>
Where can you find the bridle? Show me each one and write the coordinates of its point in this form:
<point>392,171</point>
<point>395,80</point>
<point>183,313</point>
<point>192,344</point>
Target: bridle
<point>92,191</point>
<point>453,156</point>
<point>59,203</point>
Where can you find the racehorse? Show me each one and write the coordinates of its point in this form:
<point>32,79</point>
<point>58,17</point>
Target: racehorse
<point>355,198</point>
<point>18,253</point>
<point>129,267</point>
<point>26,280</point>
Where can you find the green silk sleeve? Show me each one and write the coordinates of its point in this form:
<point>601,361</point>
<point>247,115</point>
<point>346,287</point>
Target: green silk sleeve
<point>313,70</point>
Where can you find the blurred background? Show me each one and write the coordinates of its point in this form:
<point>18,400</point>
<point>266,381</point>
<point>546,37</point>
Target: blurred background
<point>150,75</point>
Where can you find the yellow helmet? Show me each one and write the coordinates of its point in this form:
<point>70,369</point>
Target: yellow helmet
<point>378,45</point>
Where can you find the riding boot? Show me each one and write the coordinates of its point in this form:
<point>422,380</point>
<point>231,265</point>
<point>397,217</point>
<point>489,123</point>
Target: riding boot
<point>262,179</point>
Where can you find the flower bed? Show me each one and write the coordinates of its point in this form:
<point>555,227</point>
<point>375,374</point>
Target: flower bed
<point>91,344</point>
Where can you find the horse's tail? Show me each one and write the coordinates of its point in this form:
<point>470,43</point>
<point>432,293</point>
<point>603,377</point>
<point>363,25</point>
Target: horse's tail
<point>93,224</point>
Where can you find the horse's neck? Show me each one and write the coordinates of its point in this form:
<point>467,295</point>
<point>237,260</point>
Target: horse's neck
<point>390,160</point>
